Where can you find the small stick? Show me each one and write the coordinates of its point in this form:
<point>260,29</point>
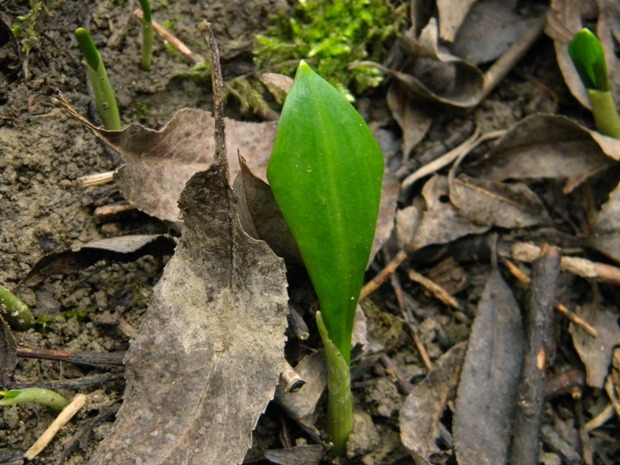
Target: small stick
<point>82,358</point>
<point>428,364</point>
<point>97,179</point>
<point>538,347</point>
<point>61,420</point>
<point>75,383</point>
<point>525,252</point>
<point>560,308</point>
<point>172,40</point>
<point>109,211</point>
<point>436,290</point>
<point>383,275</point>
<point>290,379</point>
<point>394,373</point>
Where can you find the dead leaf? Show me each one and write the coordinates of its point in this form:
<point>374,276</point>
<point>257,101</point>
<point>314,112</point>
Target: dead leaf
<point>436,75</point>
<point>486,396</point>
<point>208,355</point>
<point>439,222</point>
<point>421,414</point>
<point>451,16</point>
<point>605,235</point>
<point>596,353</point>
<point>298,455</point>
<point>490,203</point>
<point>489,28</point>
<point>547,146</point>
<point>410,116</point>
<point>122,249</point>
<point>159,163</point>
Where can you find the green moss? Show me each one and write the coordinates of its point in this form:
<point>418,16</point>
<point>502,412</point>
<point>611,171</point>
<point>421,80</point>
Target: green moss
<point>330,35</point>
<point>25,31</point>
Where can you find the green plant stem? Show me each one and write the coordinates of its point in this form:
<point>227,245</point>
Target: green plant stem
<point>18,313</point>
<point>98,78</point>
<point>34,395</point>
<point>147,34</point>
<point>339,398</point>
<point>605,113</point>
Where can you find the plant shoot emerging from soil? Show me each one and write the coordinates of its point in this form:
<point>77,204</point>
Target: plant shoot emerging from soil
<point>588,56</point>
<point>325,172</point>
<point>98,78</point>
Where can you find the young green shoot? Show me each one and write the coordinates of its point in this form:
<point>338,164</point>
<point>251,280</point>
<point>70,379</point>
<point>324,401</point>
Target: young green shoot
<point>17,312</point>
<point>39,396</point>
<point>325,172</point>
<point>147,34</point>
<point>588,56</point>
<point>98,78</point>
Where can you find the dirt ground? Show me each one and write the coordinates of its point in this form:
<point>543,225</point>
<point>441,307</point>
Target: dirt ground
<point>43,152</point>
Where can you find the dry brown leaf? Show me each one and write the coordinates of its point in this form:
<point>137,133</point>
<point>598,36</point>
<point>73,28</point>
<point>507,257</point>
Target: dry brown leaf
<point>490,27</point>
<point>421,414</point>
<point>491,203</point>
<point>605,235</point>
<point>438,222</point>
<point>451,16</point>
<point>436,75</point>
<point>596,353</point>
<point>547,146</point>
<point>486,396</point>
<point>122,249</point>
<point>410,116</point>
<point>208,355</point>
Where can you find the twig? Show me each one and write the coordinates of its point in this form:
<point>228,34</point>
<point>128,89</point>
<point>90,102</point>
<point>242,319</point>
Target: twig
<point>383,275</point>
<point>61,420</point>
<point>578,266</point>
<point>104,359</point>
<point>565,312</point>
<point>97,179</point>
<point>76,383</point>
<point>435,289</point>
<point>538,347</point>
<point>394,374</point>
<point>172,40</point>
<point>428,364</point>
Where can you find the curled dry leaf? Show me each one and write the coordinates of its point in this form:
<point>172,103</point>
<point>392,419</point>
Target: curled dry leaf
<point>122,249</point>
<point>486,396</point>
<point>547,146</point>
<point>421,414</point>
<point>437,222</point>
<point>208,355</point>
<point>410,116</point>
<point>596,353</point>
<point>491,203</point>
<point>451,17</point>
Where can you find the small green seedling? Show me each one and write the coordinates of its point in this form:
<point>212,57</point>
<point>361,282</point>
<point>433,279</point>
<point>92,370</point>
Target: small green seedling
<point>325,172</point>
<point>39,396</point>
<point>588,56</point>
<point>98,78</point>
<point>147,34</point>
<point>17,312</point>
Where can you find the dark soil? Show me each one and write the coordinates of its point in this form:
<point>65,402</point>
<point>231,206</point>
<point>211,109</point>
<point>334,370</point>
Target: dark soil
<point>44,210</point>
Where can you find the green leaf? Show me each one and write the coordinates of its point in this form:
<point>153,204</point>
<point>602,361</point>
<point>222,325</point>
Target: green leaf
<point>588,56</point>
<point>325,172</point>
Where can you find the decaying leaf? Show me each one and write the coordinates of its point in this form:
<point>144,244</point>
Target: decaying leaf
<point>491,203</point>
<point>490,27</point>
<point>425,404</point>
<point>605,235</point>
<point>451,17</point>
<point>208,355</point>
<point>115,249</point>
<point>159,163</point>
<point>298,455</point>
<point>410,116</point>
<point>486,396</point>
<point>596,353</point>
<point>8,356</point>
<point>438,222</point>
<point>547,146</point>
